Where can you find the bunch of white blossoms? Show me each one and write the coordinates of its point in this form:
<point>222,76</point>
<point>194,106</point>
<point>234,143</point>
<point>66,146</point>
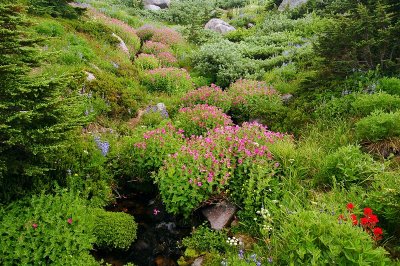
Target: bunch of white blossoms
<point>234,241</point>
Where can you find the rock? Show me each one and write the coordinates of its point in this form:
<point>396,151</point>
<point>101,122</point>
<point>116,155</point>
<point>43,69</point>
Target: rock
<point>89,76</point>
<point>152,7</point>
<point>198,261</point>
<point>291,4</point>
<point>286,97</point>
<point>220,214</point>
<point>122,44</point>
<point>159,3</point>
<point>218,25</point>
<point>250,25</point>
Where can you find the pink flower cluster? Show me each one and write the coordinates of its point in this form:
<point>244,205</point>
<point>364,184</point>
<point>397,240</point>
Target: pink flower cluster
<point>169,79</point>
<point>201,118</point>
<point>211,95</point>
<point>160,135</point>
<point>170,72</point>
<point>243,89</point>
<point>167,59</point>
<point>155,48</point>
<point>163,35</point>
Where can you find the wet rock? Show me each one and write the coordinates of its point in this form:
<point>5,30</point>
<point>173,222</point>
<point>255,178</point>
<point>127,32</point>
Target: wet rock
<point>220,214</point>
<point>291,4</point>
<point>160,3</point>
<point>121,44</point>
<point>218,25</point>
<point>198,261</point>
<point>286,97</point>
<point>152,7</point>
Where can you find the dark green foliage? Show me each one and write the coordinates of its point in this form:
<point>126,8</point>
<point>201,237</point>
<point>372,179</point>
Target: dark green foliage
<point>378,126</point>
<point>47,229</point>
<point>204,239</point>
<point>37,113</point>
<point>114,230</point>
<point>361,35</point>
<point>54,8</point>
<point>313,238</point>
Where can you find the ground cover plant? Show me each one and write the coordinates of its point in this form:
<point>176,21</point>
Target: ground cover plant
<point>122,126</point>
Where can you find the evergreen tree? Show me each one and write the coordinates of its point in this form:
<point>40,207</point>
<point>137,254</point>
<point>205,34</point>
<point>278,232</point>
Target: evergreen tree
<point>55,8</point>
<point>37,113</point>
<point>362,35</point>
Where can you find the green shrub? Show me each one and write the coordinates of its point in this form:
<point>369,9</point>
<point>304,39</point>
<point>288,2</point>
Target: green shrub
<point>254,100</point>
<point>170,80</point>
<point>204,239</point>
<point>378,126</point>
<point>147,62</point>
<point>211,95</point>
<point>389,85</point>
<point>365,104</point>
<point>77,52</point>
<point>200,119</point>
<point>385,198</point>
<point>54,8</point>
<point>151,119</point>
<point>346,166</point>
<point>114,230</point>
<point>311,238</point>
<point>50,29</point>
<point>144,152</point>
<point>335,108</point>
<point>47,229</point>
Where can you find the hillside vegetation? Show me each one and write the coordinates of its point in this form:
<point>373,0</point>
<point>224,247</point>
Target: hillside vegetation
<point>293,118</point>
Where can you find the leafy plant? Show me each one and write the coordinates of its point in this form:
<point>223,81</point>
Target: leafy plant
<point>170,80</point>
<point>378,126</point>
<point>211,95</point>
<point>308,237</point>
<point>365,104</point>
<point>52,229</point>
<point>147,62</point>
<point>200,119</point>
<point>114,230</point>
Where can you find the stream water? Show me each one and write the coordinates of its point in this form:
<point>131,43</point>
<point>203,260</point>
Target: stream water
<point>158,233</point>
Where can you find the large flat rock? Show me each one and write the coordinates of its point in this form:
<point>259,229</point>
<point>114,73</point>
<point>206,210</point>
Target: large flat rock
<point>220,214</point>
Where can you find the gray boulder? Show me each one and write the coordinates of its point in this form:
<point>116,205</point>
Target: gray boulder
<point>291,4</point>
<point>218,25</point>
<point>152,7</point>
<point>220,214</point>
<point>159,3</point>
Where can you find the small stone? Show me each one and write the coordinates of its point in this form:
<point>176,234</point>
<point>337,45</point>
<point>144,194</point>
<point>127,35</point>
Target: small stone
<point>220,215</point>
<point>122,44</point>
<point>198,261</point>
<point>152,7</point>
<point>287,97</point>
<point>90,76</point>
<point>218,25</point>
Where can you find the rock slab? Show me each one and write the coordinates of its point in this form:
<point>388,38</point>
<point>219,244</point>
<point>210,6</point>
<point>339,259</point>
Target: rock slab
<point>198,261</point>
<point>220,214</point>
<point>218,25</point>
<point>160,3</point>
<point>291,4</point>
<point>152,7</point>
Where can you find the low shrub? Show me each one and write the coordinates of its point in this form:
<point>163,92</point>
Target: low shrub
<point>144,152</point>
<point>50,29</point>
<point>211,95</point>
<point>204,239</point>
<point>205,165</point>
<point>254,100</point>
<point>170,80</point>
<point>166,36</point>
<point>389,85</point>
<point>365,104</point>
<point>309,238</point>
<point>384,197</point>
<point>77,52</point>
<point>50,229</point>
<point>378,126</point>
<point>346,166</point>
<point>200,119</point>
<point>167,59</point>
<point>147,62</point>
<point>150,47</point>
<point>114,230</point>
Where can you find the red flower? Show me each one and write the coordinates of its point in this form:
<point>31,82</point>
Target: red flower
<point>364,221</point>
<point>350,206</point>
<point>69,220</point>
<point>378,231</point>
<point>341,217</point>
<point>367,211</point>
<point>373,219</point>
<point>354,219</point>
<point>34,226</point>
